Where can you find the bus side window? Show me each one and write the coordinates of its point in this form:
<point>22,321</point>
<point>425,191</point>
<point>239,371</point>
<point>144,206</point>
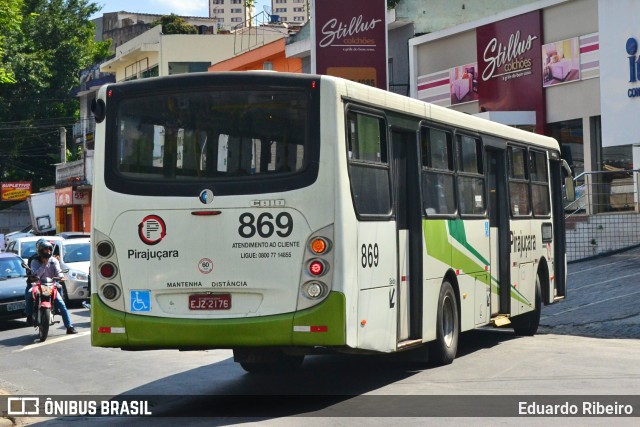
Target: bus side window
<point>518,182</point>
<point>539,184</point>
<point>471,189</point>
<point>368,167</point>
<point>437,172</point>
<point>366,139</point>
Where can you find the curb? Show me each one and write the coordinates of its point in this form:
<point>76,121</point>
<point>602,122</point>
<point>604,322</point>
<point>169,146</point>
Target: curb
<point>7,421</point>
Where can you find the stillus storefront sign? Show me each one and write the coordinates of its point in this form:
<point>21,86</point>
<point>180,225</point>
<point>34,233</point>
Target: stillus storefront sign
<point>349,40</point>
<point>509,57</point>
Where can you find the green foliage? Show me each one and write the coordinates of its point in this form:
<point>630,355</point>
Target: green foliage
<point>46,45</point>
<point>74,155</point>
<point>391,4</point>
<point>101,51</point>
<point>174,24</point>
<point>10,19</point>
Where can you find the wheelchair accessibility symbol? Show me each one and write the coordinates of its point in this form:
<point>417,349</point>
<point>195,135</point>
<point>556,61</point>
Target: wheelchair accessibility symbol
<point>140,300</point>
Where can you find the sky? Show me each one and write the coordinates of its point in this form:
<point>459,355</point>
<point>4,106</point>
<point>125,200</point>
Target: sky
<point>161,7</point>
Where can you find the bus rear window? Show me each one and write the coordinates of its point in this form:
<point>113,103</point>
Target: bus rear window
<point>212,134</point>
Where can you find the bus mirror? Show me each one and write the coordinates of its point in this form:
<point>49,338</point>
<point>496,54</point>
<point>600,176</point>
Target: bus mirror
<point>98,108</point>
<point>569,188</point>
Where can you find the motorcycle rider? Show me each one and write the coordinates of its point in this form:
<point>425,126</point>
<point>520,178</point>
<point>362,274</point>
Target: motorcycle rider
<point>44,266</point>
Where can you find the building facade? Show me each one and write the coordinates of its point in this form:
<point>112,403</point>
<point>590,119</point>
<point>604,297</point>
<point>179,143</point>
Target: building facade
<point>122,26</point>
<point>290,11</point>
<point>548,76</point>
<point>230,14</point>
<point>564,68</point>
<point>269,57</point>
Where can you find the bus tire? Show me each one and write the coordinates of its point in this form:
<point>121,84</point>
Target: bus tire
<point>443,350</point>
<point>526,325</point>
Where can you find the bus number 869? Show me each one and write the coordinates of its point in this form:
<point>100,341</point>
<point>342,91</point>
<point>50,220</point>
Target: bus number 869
<point>264,225</point>
<point>369,255</point>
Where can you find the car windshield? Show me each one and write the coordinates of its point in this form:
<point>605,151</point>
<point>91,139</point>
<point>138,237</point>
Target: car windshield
<point>27,249</point>
<point>76,252</point>
<point>10,268</point>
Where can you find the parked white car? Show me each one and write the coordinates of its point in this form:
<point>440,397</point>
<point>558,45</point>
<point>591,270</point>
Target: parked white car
<point>24,247</point>
<point>75,255</point>
<point>25,232</point>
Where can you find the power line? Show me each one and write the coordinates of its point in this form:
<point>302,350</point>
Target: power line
<point>28,137</point>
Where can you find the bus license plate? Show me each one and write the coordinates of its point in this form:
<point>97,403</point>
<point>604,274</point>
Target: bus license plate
<point>210,302</point>
<point>13,306</point>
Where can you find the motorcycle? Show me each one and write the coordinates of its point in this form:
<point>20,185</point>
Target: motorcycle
<point>44,295</point>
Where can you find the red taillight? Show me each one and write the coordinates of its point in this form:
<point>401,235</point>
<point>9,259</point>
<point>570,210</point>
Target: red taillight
<point>107,270</point>
<point>110,93</point>
<point>206,213</point>
<point>316,268</point>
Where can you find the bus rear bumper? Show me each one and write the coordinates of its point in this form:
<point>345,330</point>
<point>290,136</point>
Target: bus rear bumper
<point>322,325</point>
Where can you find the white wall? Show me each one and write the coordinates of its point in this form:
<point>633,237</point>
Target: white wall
<point>575,99</point>
<point>620,112</point>
<point>435,15</point>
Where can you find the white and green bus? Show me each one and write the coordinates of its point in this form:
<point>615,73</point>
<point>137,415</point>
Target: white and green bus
<point>277,214</point>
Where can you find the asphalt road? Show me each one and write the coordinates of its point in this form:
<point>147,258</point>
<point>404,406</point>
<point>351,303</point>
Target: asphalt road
<point>602,299</point>
<point>587,345</point>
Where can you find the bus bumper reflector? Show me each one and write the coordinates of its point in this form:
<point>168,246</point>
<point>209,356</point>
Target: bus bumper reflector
<point>110,330</point>
<point>310,329</point>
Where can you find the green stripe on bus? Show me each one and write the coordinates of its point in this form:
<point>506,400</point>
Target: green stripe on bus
<point>438,247</point>
<point>171,333</point>
<point>456,230</point>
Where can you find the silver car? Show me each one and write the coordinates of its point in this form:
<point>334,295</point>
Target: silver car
<point>12,284</point>
<point>74,255</point>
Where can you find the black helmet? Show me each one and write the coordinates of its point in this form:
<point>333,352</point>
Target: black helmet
<point>41,245</point>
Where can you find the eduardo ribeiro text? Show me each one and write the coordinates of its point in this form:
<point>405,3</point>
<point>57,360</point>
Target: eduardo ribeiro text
<point>567,408</point>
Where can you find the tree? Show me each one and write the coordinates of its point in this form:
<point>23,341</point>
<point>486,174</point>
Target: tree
<point>10,19</point>
<point>250,4</point>
<point>174,24</point>
<point>48,48</point>
<point>391,4</point>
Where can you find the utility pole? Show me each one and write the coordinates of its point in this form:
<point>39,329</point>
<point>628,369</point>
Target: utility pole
<point>63,145</point>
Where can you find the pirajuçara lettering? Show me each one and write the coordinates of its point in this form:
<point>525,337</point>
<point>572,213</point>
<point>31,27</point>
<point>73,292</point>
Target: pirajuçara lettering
<point>149,254</point>
<point>520,243</point>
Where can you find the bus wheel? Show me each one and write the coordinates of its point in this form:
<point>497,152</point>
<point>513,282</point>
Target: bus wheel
<point>443,350</point>
<point>527,324</point>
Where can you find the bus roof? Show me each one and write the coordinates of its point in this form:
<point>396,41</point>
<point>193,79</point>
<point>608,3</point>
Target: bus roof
<point>439,114</point>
